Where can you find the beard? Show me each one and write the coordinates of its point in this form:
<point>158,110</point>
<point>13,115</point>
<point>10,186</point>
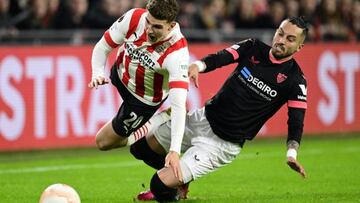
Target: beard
<point>280,54</point>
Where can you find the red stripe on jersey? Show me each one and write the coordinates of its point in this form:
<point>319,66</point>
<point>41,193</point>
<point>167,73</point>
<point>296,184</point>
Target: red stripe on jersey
<point>150,49</point>
<point>139,81</point>
<point>141,39</point>
<point>179,84</point>
<point>158,83</point>
<point>233,53</point>
<point>120,58</point>
<point>297,104</point>
<point>134,21</point>
<point>109,41</point>
<point>126,75</point>
<point>178,45</point>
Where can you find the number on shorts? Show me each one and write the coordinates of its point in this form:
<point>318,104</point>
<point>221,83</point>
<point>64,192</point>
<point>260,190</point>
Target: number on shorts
<point>132,122</point>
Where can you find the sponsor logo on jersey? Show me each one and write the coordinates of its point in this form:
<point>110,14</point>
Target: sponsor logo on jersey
<point>301,97</point>
<point>235,46</point>
<point>303,91</point>
<point>256,82</point>
<point>142,55</point>
<point>184,67</point>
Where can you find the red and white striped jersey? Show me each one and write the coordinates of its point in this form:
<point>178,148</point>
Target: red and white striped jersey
<point>148,70</point>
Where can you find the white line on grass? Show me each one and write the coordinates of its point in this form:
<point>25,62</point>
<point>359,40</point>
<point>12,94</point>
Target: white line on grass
<point>40,169</point>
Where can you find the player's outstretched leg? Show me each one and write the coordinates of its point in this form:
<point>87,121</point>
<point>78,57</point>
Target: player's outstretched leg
<point>142,151</point>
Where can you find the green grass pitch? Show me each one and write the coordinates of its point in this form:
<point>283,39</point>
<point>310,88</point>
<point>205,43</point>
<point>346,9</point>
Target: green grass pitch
<point>259,174</point>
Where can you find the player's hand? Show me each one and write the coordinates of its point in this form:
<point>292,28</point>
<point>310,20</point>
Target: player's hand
<point>173,160</point>
<point>193,74</point>
<point>95,82</point>
<point>296,166</point>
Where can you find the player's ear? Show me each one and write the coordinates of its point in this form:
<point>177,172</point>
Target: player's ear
<point>301,42</point>
<point>300,47</point>
<point>172,25</point>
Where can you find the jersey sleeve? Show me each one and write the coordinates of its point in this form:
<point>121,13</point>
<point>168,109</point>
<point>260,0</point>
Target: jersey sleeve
<point>297,106</point>
<point>228,55</point>
<point>177,97</point>
<point>112,38</point>
<point>177,65</point>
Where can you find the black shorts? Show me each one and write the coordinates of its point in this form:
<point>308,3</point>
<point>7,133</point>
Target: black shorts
<point>132,113</point>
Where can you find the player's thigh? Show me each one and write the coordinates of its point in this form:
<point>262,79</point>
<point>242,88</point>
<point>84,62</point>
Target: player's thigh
<point>205,157</point>
<point>163,136</point>
<point>106,136</point>
<point>155,145</point>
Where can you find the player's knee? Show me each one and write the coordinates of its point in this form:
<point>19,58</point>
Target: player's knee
<point>162,192</point>
<point>101,143</point>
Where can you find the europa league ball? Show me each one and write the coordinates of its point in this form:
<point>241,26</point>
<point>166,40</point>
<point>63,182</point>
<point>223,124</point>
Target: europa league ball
<point>59,193</point>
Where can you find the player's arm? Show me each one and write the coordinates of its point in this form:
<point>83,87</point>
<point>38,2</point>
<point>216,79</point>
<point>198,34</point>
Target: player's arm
<point>295,128</point>
<point>296,113</point>
<point>177,65</point>
<point>111,39</point>
<point>219,59</point>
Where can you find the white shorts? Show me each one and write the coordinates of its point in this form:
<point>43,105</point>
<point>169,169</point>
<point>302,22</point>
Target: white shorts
<point>203,151</point>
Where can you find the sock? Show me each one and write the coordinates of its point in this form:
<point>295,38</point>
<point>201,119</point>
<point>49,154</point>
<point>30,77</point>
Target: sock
<point>149,127</point>
<point>142,151</point>
<point>162,192</point>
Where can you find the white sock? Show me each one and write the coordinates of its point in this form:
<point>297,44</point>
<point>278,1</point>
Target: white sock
<point>149,127</point>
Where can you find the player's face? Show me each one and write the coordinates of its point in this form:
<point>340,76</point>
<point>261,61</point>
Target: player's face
<point>287,40</point>
<point>156,29</point>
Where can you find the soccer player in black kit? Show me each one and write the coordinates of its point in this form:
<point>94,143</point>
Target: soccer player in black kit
<point>265,79</point>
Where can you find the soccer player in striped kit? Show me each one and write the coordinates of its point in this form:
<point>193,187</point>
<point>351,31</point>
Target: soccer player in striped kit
<point>265,79</point>
<point>151,65</point>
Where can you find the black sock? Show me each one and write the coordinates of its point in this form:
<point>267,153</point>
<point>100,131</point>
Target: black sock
<point>142,151</point>
<point>161,191</point>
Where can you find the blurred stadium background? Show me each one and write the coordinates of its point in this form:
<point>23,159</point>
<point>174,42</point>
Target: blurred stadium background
<point>45,52</point>
<point>83,21</point>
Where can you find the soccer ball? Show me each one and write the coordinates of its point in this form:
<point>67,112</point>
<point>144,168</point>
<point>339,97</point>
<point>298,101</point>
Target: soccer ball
<point>59,193</point>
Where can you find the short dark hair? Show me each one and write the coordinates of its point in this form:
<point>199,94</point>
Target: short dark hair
<point>300,22</point>
<point>163,9</point>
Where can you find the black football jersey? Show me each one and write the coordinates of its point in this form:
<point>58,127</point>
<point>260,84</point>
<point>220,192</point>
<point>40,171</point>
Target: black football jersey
<point>257,88</point>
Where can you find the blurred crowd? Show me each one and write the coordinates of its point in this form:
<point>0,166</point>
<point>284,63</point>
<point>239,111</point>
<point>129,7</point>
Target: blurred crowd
<point>330,20</point>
